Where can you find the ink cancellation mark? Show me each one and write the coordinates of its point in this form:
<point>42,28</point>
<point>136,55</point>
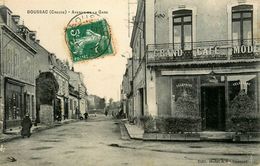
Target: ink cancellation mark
<point>88,36</point>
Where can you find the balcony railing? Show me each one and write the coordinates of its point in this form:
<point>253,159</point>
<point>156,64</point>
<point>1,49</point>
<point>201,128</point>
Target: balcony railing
<point>204,51</point>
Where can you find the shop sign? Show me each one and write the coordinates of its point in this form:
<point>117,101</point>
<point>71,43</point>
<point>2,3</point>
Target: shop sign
<point>186,85</point>
<point>239,83</point>
<point>204,51</point>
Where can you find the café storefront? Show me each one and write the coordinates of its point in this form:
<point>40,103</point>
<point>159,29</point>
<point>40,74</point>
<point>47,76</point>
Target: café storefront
<point>222,79</point>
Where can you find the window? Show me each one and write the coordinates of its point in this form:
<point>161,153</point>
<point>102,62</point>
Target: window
<point>13,106</point>
<point>140,47</point>
<point>75,104</point>
<point>182,29</point>
<point>8,18</point>
<point>33,112</point>
<point>242,89</point>
<point>184,89</point>
<point>242,24</point>
<point>71,104</point>
<point>28,102</point>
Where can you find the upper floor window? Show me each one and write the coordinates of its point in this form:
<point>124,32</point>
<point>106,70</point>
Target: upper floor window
<point>182,29</point>
<point>242,23</point>
<point>8,18</point>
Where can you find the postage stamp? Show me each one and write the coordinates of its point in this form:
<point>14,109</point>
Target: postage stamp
<point>88,36</point>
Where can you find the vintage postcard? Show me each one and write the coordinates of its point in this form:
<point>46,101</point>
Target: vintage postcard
<point>129,82</point>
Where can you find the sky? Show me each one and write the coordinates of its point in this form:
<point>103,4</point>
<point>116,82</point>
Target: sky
<point>102,76</point>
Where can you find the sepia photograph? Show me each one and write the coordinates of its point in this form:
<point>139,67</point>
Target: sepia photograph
<point>129,83</point>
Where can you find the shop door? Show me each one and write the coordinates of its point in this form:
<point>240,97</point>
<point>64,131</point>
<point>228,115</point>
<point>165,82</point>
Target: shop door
<point>57,109</point>
<point>66,108</point>
<point>141,92</point>
<point>213,108</point>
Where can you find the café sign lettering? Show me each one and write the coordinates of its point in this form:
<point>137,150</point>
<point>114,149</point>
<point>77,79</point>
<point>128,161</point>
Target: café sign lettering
<point>186,85</point>
<point>200,51</point>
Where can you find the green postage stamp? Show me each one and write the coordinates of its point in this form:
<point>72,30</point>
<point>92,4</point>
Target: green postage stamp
<point>88,39</point>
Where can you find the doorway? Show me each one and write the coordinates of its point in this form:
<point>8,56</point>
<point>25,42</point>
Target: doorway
<point>141,96</point>
<point>57,109</point>
<point>213,108</point>
<point>66,108</point>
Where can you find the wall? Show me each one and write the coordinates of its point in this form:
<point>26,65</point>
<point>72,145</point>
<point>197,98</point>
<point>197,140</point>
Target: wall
<point>41,59</point>
<point>17,63</point>
<point>138,83</point>
<point>210,18</point>
<point>72,106</point>
<point>163,95</point>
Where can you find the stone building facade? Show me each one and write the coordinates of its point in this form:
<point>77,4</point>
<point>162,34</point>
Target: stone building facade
<point>17,71</point>
<point>78,95</point>
<point>206,53</point>
<point>61,103</point>
<point>127,89</point>
<point>22,59</point>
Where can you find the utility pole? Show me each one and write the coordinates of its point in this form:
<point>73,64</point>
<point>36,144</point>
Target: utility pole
<point>78,100</point>
<point>129,16</point>
<point>128,23</point>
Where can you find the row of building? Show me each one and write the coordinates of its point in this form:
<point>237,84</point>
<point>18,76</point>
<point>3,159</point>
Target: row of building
<point>208,50</point>
<point>22,60</point>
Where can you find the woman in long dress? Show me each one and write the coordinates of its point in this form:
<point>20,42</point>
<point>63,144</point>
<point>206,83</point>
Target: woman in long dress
<point>26,126</point>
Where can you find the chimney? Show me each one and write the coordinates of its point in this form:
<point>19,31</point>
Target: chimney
<point>16,19</point>
<point>32,35</point>
<point>6,14</point>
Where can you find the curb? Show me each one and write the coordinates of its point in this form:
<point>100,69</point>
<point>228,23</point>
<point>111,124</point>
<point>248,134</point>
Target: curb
<point>35,130</point>
<point>191,151</point>
<point>126,130</point>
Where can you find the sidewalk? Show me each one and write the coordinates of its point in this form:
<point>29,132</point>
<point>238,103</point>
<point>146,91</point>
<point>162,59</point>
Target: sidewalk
<point>134,131</point>
<point>201,147</point>
<point>15,134</point>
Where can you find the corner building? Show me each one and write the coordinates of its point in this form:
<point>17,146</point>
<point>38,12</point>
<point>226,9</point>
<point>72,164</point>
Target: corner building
<point>209,50</point>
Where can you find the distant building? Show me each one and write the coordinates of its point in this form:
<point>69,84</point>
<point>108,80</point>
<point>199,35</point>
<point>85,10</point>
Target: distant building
<point>127,90</point>
<point>61,103</point>
<point>77,90</point>
<point>43,63</point>
<point>73,101</point>
<point>95,103</point>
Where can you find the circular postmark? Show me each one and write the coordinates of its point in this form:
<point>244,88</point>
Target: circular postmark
<point>88,36</point>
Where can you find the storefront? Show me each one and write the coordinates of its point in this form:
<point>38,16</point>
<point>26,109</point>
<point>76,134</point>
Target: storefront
<point>19,100</point>
<point>214,92</point>
<point>219,79</point>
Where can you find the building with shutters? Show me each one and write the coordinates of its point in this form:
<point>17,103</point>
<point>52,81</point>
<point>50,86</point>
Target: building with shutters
<point>204,54</point>
<point>17,71</point>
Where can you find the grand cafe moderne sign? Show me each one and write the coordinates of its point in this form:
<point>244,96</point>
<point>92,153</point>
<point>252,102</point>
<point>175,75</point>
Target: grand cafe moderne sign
<point>207,51</point>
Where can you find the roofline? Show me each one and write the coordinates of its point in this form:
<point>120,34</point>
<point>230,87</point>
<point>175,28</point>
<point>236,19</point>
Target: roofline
<point>4,6</point>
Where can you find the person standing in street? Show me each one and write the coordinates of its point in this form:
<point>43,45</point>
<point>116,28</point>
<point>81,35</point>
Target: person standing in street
<point>86,115</point>
<point>26,126</point>
<point>77,112</point>
<point>106,110</point>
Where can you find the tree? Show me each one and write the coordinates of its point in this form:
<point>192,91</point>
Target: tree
<point>47,87</point>
<point>102,103</point>
<point>110,101</point>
